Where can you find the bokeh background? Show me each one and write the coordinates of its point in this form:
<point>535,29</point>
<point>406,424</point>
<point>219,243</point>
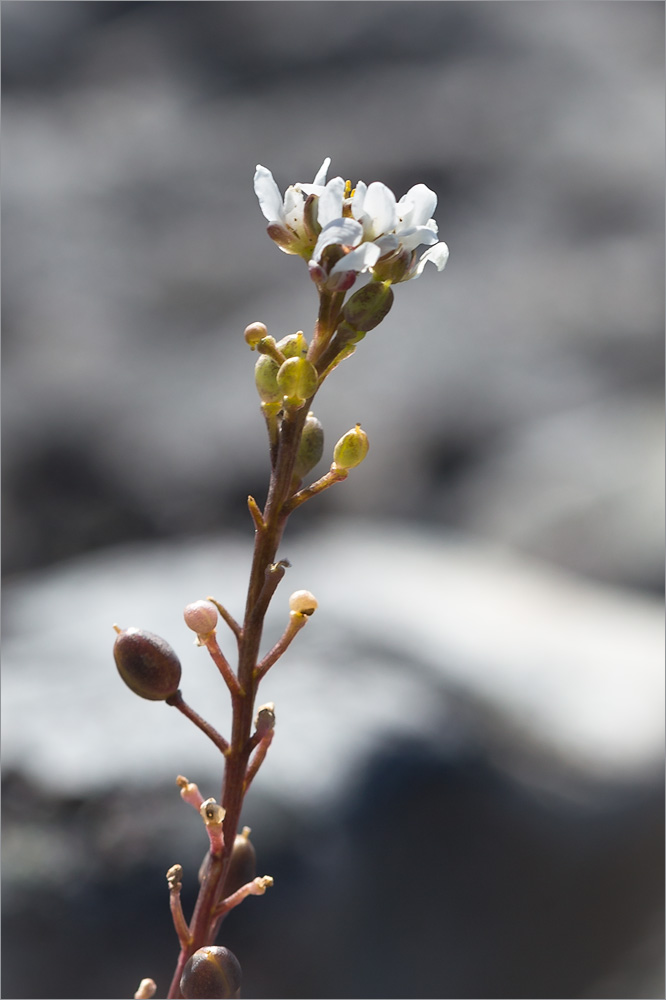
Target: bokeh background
<point>465,797</point>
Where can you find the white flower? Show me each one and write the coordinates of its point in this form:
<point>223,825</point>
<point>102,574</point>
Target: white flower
<point>372,232</point>
<point>287,224</point>
<point>347,235</point>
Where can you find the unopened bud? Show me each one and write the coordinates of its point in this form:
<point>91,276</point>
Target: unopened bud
<point>351,449</point>
<point>310,448</point>
<point>254,333</point>
<point>297,379</point>
<point>293,346</point>
<point>367,307</point>
<point>302,602</point>
<point>201,617</point>
<point>265,719</point>
<point>147,664</point>
<point>265,379</point>
<point>211,972</point>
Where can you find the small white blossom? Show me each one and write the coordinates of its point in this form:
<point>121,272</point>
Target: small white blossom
<point>286,217</point>
<point>371,231</point>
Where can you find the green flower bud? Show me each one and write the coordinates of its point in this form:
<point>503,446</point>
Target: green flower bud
<point>212,973</point>
<point>254,333</point>
<point>310,448</point>
<point>147,664</point>
<point>367,307</point>
<point>293,346</point>
<point>265,379</point>
<point>298,380</point>
<point>351,449</point>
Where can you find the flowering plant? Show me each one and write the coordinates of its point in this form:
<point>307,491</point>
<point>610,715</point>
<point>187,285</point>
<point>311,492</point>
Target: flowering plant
<point>342,233</point>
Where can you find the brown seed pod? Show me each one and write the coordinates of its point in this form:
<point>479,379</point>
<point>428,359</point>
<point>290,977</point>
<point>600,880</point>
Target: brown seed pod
<point>212,973</point>
<point>243,864</point>
<point>147,664</point>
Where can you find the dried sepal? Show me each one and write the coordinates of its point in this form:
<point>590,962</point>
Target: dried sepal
<point>147,989</point>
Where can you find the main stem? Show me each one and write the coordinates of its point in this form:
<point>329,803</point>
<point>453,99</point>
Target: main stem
<point>204,926</point>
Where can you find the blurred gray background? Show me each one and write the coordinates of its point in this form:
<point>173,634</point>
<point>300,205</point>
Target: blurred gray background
<point>496,829</point>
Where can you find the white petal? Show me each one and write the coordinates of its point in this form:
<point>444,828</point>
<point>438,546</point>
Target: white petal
<point>358,200</point>
<point>347,232</point>
<point>380,206</point>
<point>387,243</point>
<point>422,203</point>
<point>418,236</point>
<point>329,206</point>
<point>439,254</point>
<point>268,193</point>
<point>358,260</point>
<point>320,176</point>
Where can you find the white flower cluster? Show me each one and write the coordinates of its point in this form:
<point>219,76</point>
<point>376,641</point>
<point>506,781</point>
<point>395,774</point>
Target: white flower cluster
<point>343,232</point>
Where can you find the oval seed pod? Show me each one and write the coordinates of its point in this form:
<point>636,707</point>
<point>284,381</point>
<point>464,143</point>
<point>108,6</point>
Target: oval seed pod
<point>243,863</point>
<point>310,447</point>
<point>367,307</point>
<point>265,379</point>
<point>297,379</point>
<point>351,449</point>
<point>212,973</point>
<point>147,664</point>
<point>294,345</point>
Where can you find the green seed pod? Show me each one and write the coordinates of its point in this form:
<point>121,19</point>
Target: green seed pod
<point>351,449</point>
<point>368,306</point>
<point>212,973</point>
<point>297,379</point>
<point>147,664</point>
<point>243,863</point>
<point>265,379</point>
<point>310,448</point>
<point>293,346</point>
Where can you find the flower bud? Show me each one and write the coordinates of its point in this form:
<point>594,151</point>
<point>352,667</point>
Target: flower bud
<point>351,449</point>
<point>212,973</point>
<point>254,333</point>
<point>147,664</point>
<point>302,602</point>
<point>367,307</point>
<point>293,346</point>
<point>243,863</point>
<point>297,379</point>
<point>201,617</point>
<point>310,448</point>
<point>265,379</point>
